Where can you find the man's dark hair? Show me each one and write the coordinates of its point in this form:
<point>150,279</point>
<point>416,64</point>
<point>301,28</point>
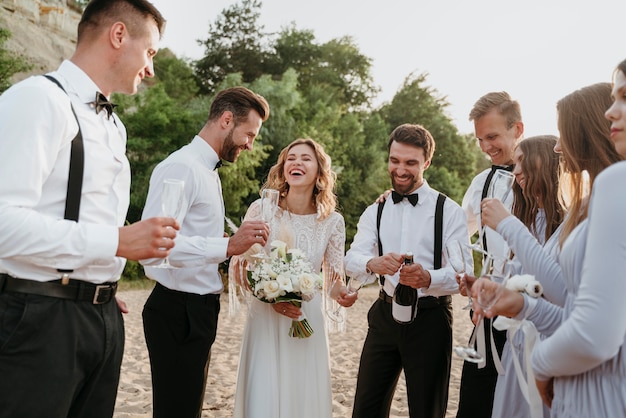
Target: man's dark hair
<point>415,135</point>
<point>132,12</point>
<point>239,101</point>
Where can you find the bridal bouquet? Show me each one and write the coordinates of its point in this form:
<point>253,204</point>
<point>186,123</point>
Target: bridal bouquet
<point>285,276</point>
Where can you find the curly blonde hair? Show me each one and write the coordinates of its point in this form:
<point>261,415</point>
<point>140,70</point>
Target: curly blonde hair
<point>324,196</point>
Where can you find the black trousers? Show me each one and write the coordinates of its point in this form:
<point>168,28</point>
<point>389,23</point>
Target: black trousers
<point>422,349</point>
<point>179,328</point>
<point>478,386</point>
<point>58,357</point>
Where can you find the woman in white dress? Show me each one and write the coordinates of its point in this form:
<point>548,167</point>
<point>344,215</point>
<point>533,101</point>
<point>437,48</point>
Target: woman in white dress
<point>580,368</point>
<point>281,376</point>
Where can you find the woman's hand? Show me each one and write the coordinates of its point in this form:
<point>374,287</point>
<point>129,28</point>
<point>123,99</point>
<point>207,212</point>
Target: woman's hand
<point>287,309</point>
<point>492,212</point>
<point>346,299</point>
<point>546,390</point>
<point>509,304</point>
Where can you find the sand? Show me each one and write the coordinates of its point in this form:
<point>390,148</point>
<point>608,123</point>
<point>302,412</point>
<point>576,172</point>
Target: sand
<point>134,399</point>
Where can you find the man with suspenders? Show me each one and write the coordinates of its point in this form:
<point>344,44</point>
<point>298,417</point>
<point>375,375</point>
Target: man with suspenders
<point>498,127</point>
<point>420,220</point>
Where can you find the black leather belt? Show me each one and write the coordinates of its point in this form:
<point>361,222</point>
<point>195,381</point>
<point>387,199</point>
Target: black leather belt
<point>425,302</point>
<point>74,290</point>
<point>188,297</point>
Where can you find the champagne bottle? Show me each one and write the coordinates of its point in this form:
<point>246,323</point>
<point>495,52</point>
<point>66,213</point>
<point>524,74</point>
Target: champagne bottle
<point>404,304</point>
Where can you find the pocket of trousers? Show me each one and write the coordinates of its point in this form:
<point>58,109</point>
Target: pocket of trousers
<point>12,310</point>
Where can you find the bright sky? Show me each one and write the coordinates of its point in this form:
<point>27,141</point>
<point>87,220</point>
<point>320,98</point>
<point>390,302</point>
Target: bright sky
<point>537,50</point>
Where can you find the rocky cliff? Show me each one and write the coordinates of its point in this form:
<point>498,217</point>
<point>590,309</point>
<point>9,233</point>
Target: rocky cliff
<point>42,30</point>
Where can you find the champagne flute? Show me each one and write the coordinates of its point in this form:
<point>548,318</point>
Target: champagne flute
<point>456,259</point>
<point>488,295</point>
<point>269,206</point>
<point>172,197</point>
<point>337,282</point>
<point>499,188</point>
<point>355,282</point>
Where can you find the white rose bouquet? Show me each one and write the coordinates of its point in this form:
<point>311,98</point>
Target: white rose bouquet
<point>286,276</point>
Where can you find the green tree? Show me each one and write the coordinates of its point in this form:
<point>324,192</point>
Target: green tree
<point>234,45</point>
<point>454,162</point>
<point>10,62</point>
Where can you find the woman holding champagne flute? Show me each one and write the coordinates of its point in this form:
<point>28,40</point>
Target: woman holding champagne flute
<point>580,367</point>
<point>281,376</point>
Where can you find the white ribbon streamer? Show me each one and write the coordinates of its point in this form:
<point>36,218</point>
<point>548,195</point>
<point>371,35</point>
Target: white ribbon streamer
<point>531,338</point>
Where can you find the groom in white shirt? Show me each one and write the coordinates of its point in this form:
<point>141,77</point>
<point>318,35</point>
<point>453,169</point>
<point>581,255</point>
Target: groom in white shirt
<point>180,316</point>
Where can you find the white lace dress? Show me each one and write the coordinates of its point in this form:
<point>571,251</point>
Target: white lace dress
<point>280,376</point>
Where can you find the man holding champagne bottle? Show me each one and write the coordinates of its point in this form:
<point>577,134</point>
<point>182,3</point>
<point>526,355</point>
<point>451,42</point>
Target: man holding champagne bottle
<point>418,222</point>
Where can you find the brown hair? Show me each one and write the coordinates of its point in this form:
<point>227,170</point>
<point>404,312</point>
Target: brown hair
<point>506,106</point>
<point>586,145</point>
<point>324,196</point>
<point>132,13</point>
<point>239,101</point>
<point>540,166</point>
<point>415,135</point>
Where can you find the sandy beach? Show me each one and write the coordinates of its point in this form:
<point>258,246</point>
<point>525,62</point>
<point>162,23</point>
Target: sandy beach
<point>134,399</point>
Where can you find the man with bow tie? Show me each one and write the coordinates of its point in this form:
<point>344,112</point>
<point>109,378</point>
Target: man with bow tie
<point>385,233</point>
<point>64,195</point>
<point>180,316</point>
<point>498,127</point>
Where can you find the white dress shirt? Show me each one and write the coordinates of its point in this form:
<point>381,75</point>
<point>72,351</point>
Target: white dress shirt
<point>36,129</point>
<point>200,244</point>
<point>404,228</point>
<point>496,245</point>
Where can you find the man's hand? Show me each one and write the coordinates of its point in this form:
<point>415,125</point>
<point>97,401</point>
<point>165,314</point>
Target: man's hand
<point>415,276</point>
<point>121,305</point>
<point>248,234</point>
<point>389,263</point>
<point>150,238</point>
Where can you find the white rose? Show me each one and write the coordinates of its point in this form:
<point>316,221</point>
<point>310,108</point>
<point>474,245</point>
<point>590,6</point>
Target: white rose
<point>272,289</point>
<point>308,284</point>
<point>284,281</point>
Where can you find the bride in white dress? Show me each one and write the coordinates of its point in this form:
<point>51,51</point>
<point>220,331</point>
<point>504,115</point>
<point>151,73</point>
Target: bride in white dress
<point>281,376</point>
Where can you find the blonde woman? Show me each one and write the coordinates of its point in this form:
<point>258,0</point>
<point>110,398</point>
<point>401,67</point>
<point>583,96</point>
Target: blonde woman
<point>281,376</point>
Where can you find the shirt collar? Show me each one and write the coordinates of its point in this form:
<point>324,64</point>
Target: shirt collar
<point>78,82</point>
<point>206,152</point>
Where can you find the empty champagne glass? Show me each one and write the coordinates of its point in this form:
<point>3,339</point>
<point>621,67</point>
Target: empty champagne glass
<point>499,188</point>
<point>456,258</point>
<point>269,206</point>
<point>172,197</point>
<point>488,295</point>
<point>337,282</point>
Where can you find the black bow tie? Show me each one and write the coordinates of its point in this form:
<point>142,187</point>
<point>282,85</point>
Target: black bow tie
<point>502,167</point>
<point>102,102</point>
<point>218,164</point>
<point>397,197</point>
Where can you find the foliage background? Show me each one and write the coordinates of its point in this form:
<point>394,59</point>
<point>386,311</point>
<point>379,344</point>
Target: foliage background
<point>319,90</point>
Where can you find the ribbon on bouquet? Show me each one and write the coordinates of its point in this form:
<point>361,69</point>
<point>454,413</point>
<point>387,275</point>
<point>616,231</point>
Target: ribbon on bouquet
<point>531,338</point>
<point>482,348</point>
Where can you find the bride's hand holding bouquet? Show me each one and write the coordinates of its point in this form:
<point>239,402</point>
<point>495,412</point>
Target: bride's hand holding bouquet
<point>286,277</point>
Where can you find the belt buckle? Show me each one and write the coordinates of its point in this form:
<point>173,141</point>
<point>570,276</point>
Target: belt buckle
<point>96,295</point>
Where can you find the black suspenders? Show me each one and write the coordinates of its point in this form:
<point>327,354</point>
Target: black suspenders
<point>75,176</point>
<point>438,232</point>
